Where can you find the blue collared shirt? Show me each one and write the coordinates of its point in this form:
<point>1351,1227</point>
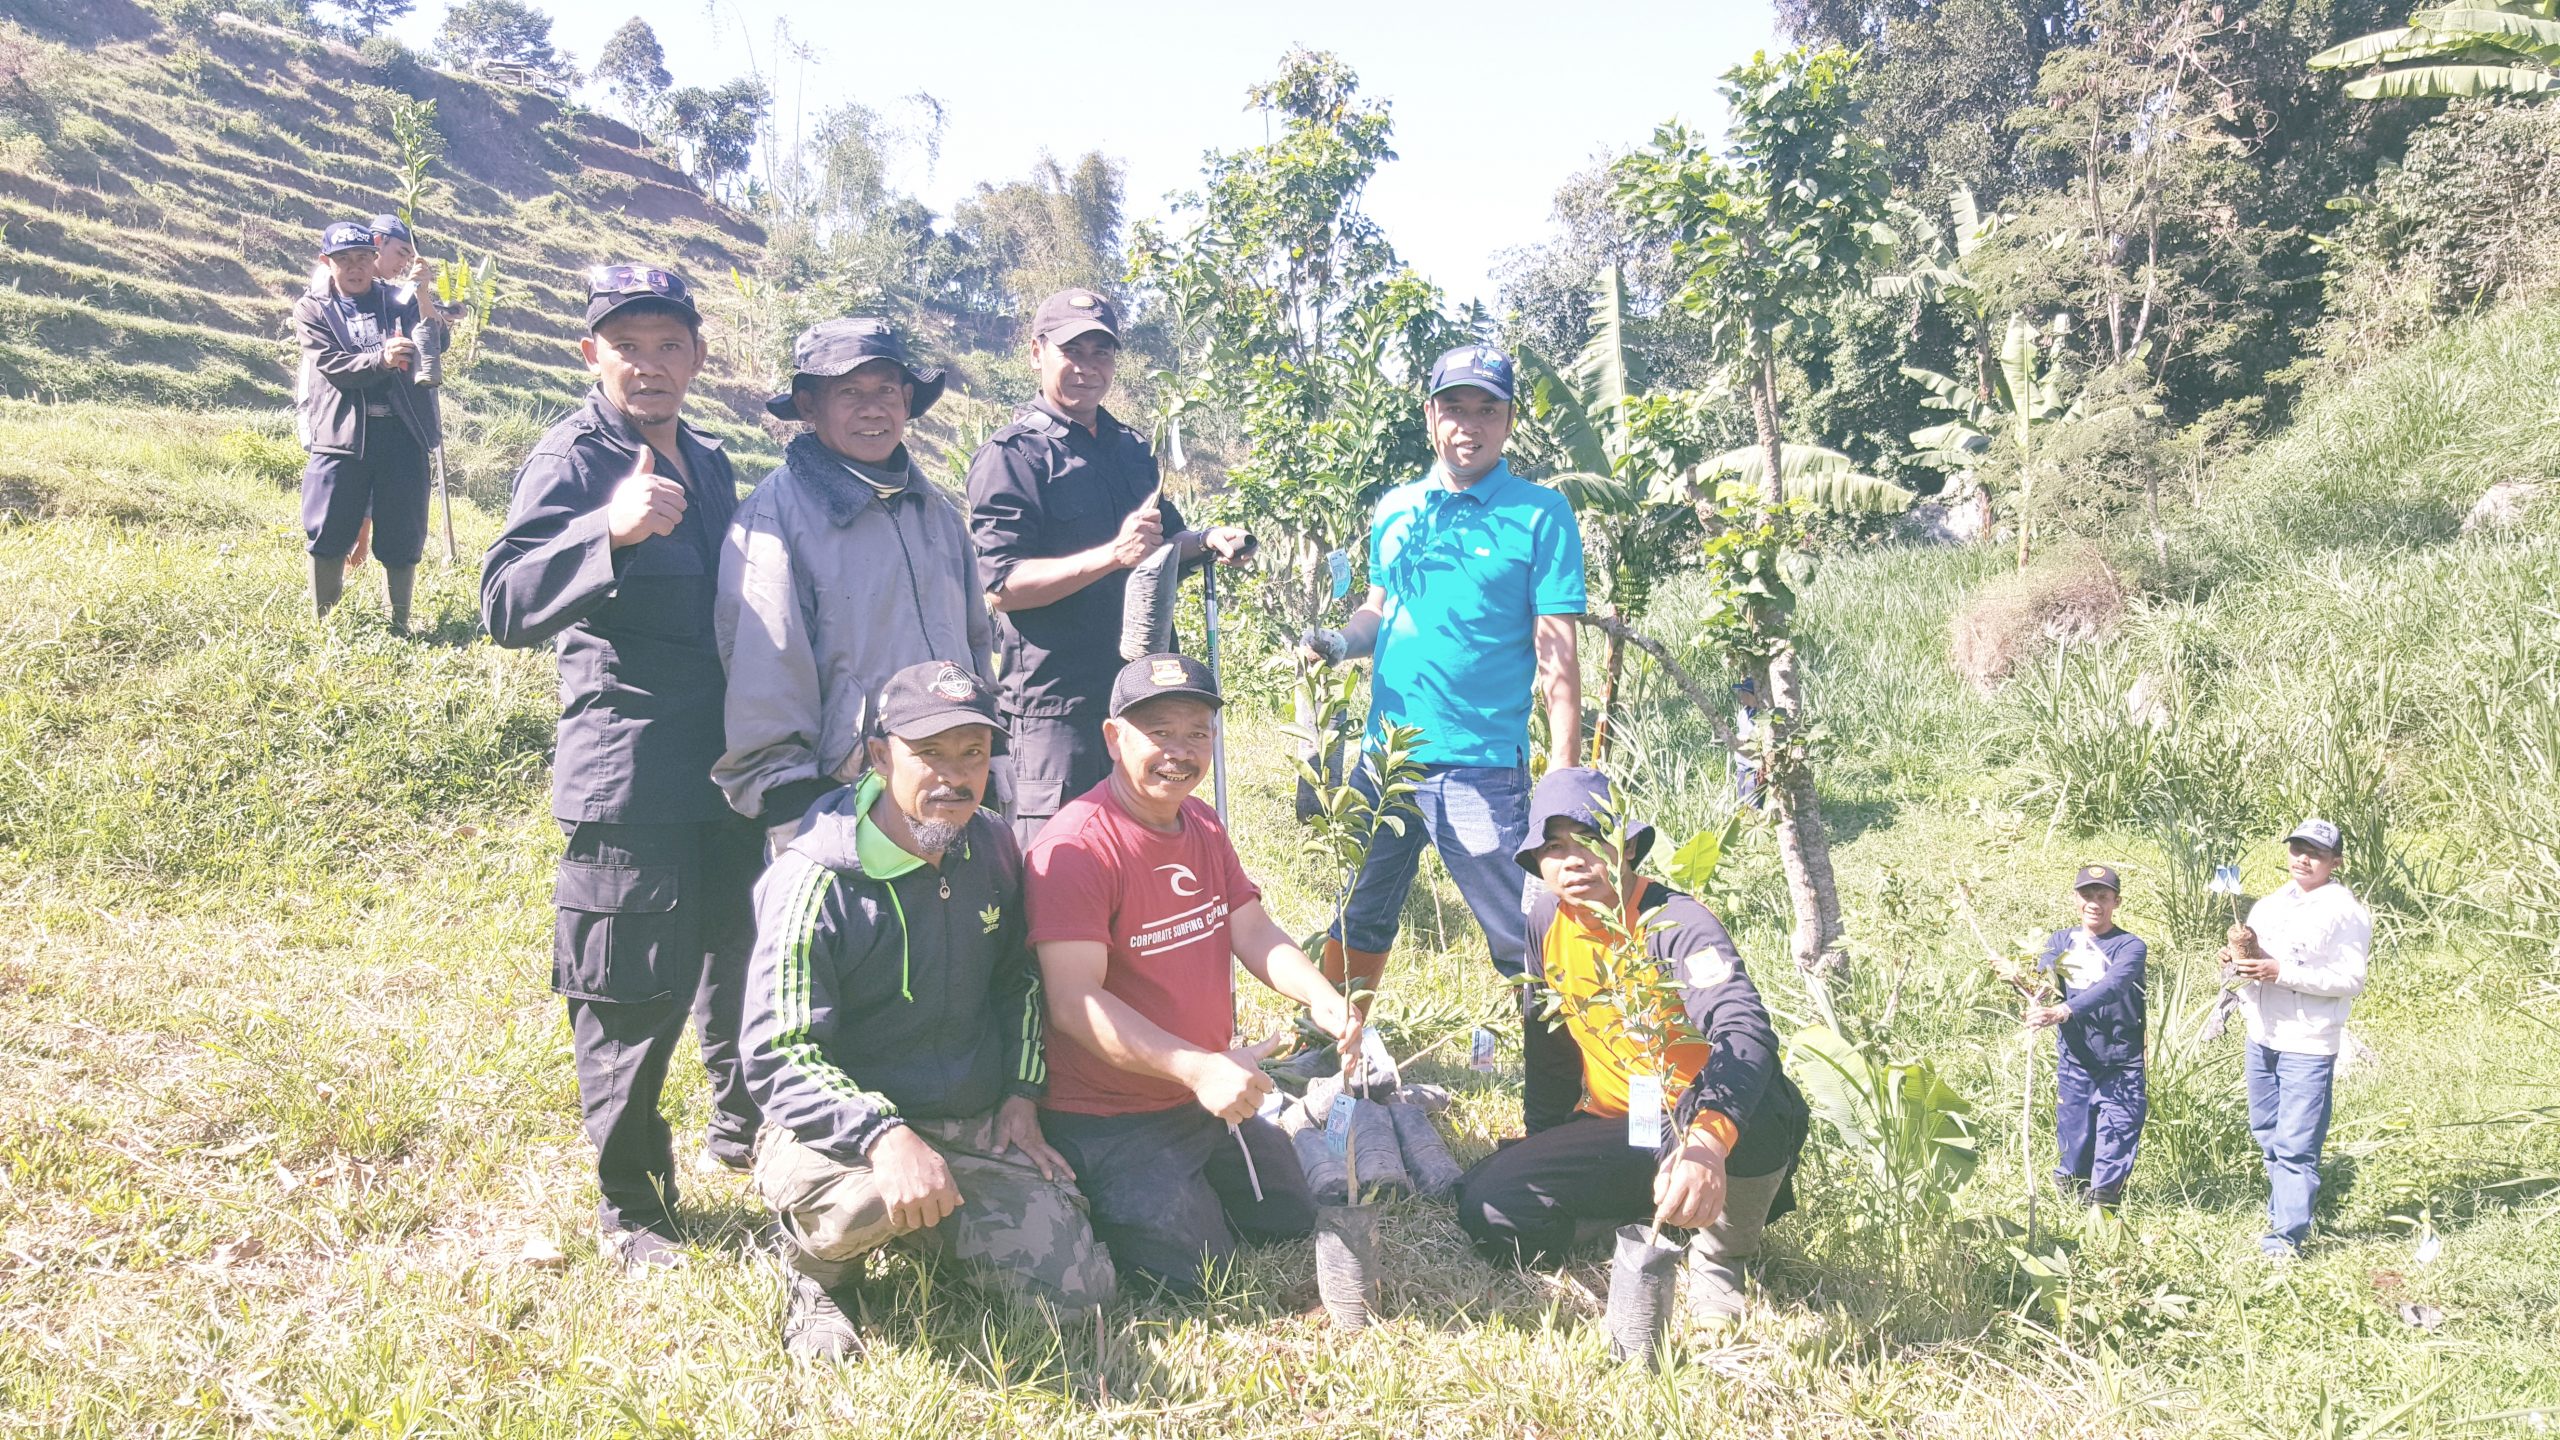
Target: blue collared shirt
<point>1467,574</point>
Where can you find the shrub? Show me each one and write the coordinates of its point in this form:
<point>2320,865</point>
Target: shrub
<point>2070,597</point>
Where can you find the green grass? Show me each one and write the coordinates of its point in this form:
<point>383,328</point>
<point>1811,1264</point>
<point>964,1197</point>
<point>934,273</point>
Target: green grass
<point>292,1092</point>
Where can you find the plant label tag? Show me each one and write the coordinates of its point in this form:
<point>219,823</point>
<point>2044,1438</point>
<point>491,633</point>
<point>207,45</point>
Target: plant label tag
<point>1480,1052</point>
<point>1337,1123</point>
<point>1644,1111</point>
<point>1338,565</point>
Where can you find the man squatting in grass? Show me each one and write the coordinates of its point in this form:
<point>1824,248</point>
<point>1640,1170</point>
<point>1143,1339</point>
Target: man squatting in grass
<point>611,545</point>
<point>2317,940</point>
<point>1137,904</point>
<point>893,1034</point>
<point>1475,577</point>
<point>2100,1096</point>
<point>844,566</point>
<point>366,423</point>
<point>1727,1149</point>
<point>1062,503</point>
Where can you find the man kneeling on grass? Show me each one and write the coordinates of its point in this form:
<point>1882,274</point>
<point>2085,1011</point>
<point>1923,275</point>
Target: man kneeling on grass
<point>1721,1168</point>
<point>893,1029</point>
<point>1137,904</point>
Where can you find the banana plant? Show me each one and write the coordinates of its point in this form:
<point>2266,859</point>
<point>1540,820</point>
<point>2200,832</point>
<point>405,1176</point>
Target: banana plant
<point>2501,47</point>
<point>1940,272</point>
<point>1910,1130</point>
<point>1813,475</point>
<point>1634,538</point>
<point>2023,398</point>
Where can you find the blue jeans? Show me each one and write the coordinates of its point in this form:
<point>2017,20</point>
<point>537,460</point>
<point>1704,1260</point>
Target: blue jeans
<point>1476,815</point>
<point>2098,1118</point>
<point>2289,1116</point>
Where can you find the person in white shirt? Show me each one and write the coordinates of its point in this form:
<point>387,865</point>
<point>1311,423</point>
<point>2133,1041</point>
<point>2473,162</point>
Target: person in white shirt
<point>2316,938</point>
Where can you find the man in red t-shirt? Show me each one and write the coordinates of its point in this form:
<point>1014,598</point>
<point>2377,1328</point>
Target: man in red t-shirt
<point>1138,904</point>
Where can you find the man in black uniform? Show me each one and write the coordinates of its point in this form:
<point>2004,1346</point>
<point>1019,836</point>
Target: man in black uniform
<point>365,422</point>
<point>1062,502</point>
<point>612,544</point>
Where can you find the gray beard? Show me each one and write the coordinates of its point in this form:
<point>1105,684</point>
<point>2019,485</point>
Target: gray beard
<point>932,837</point>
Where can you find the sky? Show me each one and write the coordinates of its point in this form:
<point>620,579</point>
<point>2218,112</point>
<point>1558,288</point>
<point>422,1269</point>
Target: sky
<point>1494,104</point>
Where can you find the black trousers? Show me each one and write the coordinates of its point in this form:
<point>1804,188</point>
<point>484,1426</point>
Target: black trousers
<point>1170,1192</point>
<point>1052,760</point>
<point>1522,1201</point>
<point>388,481</point>
<point>654,923</point>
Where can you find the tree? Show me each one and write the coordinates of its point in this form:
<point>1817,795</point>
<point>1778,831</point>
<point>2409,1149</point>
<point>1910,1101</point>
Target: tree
<point>2489,47</point>
<point>1030,238</point>
<point>718,128</point>
<point>367,18</point>
<point>633,69</point>
<point>1790,221</point>
<point>1292,315</point>
<point>501,37</point>
<point>2021,396</point>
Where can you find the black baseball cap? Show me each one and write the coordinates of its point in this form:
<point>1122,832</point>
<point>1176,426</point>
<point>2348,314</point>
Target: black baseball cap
<point>2319,834</point>
<point>340,236</point>
<point>2096,875</point>
<point>615,288</point>
<point>1070,313</point>
<point>1483,366</point>
<point>840,347</point>
<point>1152,677</point>
<point>392,227</point>
<point>926,699</point>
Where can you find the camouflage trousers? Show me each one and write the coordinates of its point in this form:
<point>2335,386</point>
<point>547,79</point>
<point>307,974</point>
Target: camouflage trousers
<point>1014,1231</point>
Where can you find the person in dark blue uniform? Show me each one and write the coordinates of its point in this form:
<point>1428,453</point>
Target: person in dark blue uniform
<point>1062,503</point>
<point>612,547</point>
<point>364,421</point>
<point>2098,1027</point>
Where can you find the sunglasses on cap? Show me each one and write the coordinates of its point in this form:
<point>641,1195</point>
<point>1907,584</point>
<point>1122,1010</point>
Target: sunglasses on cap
<point>637,280</point>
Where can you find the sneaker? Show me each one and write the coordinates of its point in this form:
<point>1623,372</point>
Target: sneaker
<point>643,1249</point>
<point>2278,1249</point>
<point>2103,1198</point>
<point>814,1325</point>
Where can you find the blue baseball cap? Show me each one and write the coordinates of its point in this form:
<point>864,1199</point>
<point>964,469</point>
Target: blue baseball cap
<point>391,227</point>
<point>339,236</point>
<point>1482,366</point>
<point>1582,796</point>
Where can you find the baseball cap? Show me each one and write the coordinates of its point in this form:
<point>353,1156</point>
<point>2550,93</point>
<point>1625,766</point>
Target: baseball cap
<point>2316,831</point>
<point>391,227</point>
<point>840,347</point>
<point>925,699</point>
<point>2097,875</point>
<point>1070,313</point>
<point>613,288</point>
<point>1581,795</point>
<point>1151,677</point>
<point>339,236</point>
<point>1482,366</point>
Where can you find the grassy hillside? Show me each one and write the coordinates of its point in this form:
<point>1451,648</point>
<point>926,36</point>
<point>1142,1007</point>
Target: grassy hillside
<point>162,188</point>
<point>292,1095</point>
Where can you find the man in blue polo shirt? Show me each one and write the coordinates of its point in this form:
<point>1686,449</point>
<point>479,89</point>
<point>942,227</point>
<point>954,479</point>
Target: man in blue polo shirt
<point>2098,1027</point>
<point>1475,577</point>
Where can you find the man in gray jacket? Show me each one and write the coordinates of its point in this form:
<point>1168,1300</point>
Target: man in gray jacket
<point>893,1029</point>
<point>845,566</point>
<point>363,420</point>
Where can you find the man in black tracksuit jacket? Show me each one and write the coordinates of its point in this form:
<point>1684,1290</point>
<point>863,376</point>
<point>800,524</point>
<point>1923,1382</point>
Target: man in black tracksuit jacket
<point>894,1028</point>
<point>612,546</point>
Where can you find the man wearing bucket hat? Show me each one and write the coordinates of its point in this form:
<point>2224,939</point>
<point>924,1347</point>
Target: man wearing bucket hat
<point>1475,576</point>
<point>1709,1146</point>
<point>2100,1098</point>
<point>893,1028</point>
<point>611,547</point>
<point>1140,910</point>
<point>365,422</point>
<point>844,567</point>
<point>2315,940</point>
<point>1063,503</point>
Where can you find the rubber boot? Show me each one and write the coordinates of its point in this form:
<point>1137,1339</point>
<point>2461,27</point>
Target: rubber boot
<point>399,582</point>
<point>328,582</point>
<point>1354,970</point>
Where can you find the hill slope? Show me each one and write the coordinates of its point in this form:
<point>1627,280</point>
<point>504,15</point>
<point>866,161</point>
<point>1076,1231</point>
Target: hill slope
<point>163,188</point>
